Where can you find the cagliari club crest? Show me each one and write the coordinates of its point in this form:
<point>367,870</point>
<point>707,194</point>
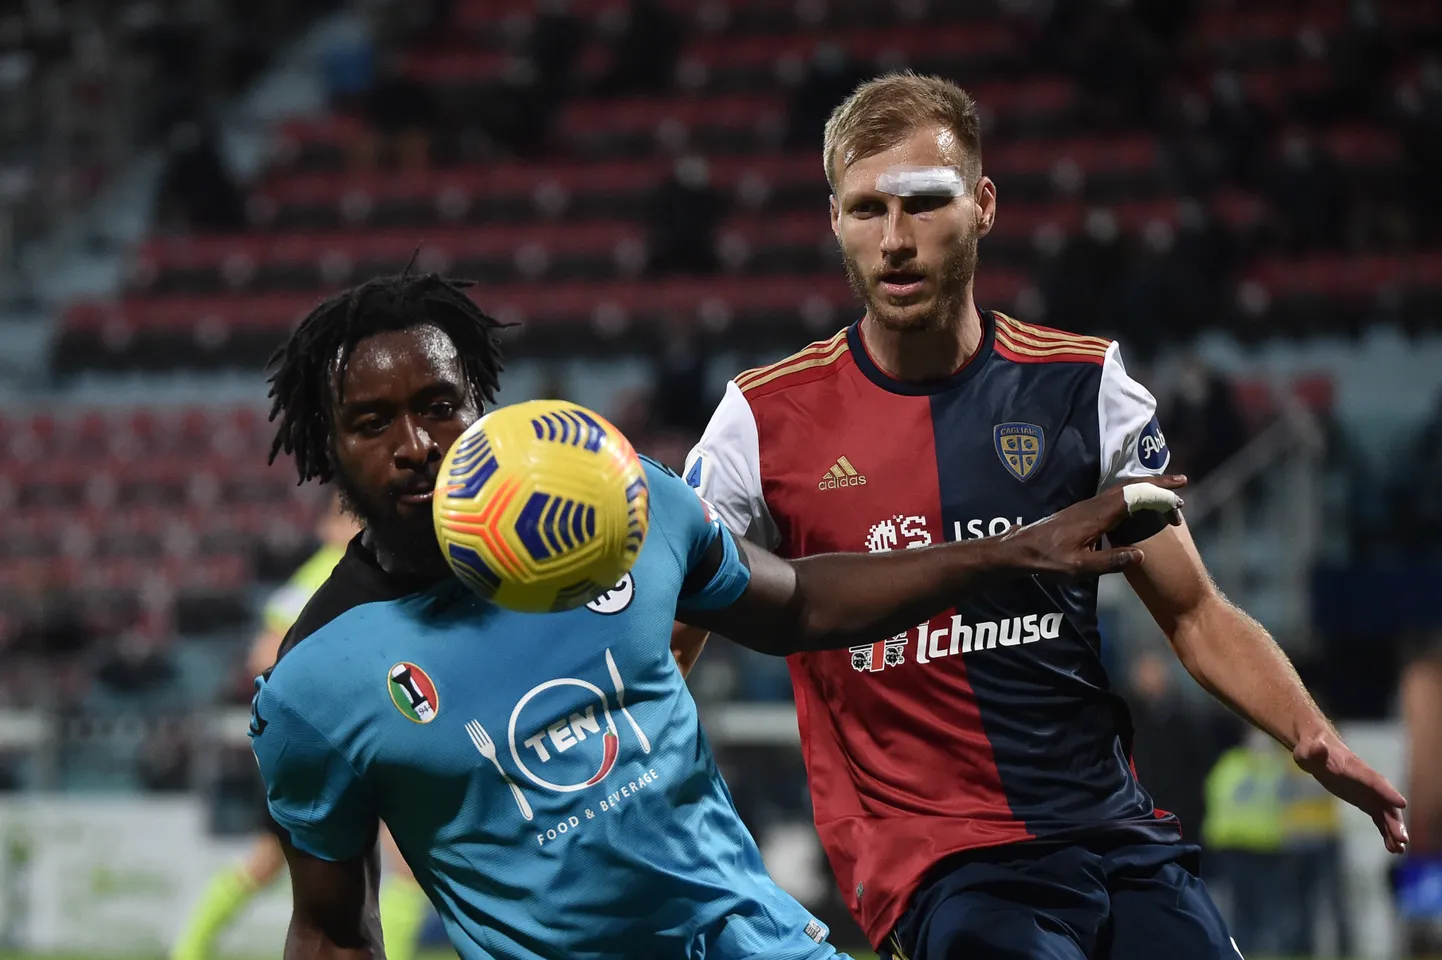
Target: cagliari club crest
<point>1020,446</point>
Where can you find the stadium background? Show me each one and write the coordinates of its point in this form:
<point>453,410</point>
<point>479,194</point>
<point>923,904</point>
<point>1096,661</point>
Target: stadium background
<point>1244,192</point>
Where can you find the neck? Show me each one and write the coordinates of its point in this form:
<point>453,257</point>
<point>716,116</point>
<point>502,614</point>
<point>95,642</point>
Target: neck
<point>403,563</point>
<point>920,355</point>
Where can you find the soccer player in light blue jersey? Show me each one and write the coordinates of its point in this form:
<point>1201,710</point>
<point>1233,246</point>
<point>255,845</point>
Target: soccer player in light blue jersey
<point>544,776</point>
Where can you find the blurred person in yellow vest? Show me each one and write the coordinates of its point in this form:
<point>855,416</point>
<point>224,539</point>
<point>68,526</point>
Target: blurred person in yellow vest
<point>403,905</point>
<point>1244,835</point>
<point>1312,840</point>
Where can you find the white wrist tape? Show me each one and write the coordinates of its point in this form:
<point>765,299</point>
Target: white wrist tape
<point>1149,496</point>
<point>909,181</point>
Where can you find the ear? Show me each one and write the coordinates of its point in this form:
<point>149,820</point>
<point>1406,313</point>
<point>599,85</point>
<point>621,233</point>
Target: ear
<point>985,199</point>
<point>835,216</point>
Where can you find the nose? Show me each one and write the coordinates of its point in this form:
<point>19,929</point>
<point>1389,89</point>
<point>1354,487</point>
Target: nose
<point>898,242</point>
<point>415,449</point>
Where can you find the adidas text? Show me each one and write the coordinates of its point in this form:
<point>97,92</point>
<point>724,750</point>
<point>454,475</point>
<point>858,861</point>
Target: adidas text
<point>841,474</point>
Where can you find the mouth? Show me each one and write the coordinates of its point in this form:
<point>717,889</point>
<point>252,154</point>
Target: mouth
<point>416,494</point>
<point>902,283</point>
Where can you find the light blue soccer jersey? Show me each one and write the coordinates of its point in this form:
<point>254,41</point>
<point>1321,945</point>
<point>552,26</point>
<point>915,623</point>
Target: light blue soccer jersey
<point>545,775</point>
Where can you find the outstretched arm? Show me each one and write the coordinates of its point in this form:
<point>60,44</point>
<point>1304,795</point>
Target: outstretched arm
<point>1238,662</point>
<point>840,600</point>
<point>335,913</point>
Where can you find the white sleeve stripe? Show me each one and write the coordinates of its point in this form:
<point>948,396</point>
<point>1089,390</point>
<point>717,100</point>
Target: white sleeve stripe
<point>1130,442</point>
<point>725,467</point>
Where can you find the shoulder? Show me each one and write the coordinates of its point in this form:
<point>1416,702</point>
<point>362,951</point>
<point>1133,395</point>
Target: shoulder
<point>1021,342</point>
<point>318,568</point>
<point>669,492</point>
<point>819,360</point>
<point>354,581</point>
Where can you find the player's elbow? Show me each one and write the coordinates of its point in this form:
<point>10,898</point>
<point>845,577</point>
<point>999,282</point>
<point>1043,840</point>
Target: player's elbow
<point>323,937</point>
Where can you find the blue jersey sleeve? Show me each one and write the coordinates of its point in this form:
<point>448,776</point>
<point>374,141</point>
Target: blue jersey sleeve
<point>311,789</point>
<point>714,570</point>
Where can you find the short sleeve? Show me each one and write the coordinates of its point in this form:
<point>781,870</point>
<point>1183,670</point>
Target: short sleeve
<point>1131,440</point>
<point>311,789</point>
<point>714,573</point>
<point>725,466</point>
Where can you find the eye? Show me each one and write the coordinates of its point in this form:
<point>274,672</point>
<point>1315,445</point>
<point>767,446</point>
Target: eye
<point>868,208</point>
<point>443,409</point>
<point>372,426</point>
<point>925,204</point>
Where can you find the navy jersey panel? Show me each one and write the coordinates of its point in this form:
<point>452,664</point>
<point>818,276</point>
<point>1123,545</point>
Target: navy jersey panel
<point>544,775</point>
<point>1069,903</point>
<point>1054,699</point>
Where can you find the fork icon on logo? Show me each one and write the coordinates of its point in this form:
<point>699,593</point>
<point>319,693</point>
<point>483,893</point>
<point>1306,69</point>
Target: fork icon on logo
<point>487,748</point>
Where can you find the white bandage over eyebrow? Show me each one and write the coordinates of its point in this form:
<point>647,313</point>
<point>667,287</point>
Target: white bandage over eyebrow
<point>909,181</point>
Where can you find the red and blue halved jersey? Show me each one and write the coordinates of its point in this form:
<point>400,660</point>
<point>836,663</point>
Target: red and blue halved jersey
<point>993,723</point>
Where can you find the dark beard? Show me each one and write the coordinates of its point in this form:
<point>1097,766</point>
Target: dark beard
<point>957,271</point>
<point>408,545</point>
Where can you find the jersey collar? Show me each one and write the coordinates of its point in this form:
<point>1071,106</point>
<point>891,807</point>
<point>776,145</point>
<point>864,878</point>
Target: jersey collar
<point>921,388</point>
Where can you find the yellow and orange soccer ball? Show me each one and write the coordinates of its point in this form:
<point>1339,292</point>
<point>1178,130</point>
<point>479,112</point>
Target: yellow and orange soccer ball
<point>541,506</point>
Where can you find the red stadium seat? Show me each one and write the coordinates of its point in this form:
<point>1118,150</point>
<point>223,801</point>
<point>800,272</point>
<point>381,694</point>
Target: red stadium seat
<point>454,68</point>
<point>587,125</point>
<point>1122,155</point>
<point>1363,145</point>
<point>948,42</point>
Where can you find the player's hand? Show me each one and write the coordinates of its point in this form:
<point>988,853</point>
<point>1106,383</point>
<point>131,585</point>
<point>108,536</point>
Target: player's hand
<point>1066,543</point>
<point>1344,774</point>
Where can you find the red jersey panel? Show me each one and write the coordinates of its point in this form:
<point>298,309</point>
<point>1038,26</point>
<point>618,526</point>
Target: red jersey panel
<point>994,723</point>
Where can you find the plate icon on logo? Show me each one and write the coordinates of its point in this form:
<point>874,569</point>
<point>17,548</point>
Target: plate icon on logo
<point>616,599</point>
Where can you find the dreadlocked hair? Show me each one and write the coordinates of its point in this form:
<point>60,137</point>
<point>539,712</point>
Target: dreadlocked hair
<point>315,355</point>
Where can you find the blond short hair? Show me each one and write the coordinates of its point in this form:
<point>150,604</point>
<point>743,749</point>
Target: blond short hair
<point>882,112</point>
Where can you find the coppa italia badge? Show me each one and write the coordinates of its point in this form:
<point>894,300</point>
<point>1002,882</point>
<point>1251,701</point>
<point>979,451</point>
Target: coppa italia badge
<point>413,692</point>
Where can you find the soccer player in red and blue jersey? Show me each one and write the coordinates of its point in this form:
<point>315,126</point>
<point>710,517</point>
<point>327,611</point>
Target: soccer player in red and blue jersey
<point>971,777</point>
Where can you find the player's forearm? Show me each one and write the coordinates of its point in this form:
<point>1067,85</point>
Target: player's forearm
<point>308,941</point>
<point>1238,662</point>
<point>687,642</point>
<point>848,599</point>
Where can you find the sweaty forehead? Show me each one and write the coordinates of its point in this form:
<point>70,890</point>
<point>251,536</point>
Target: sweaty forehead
<point>925,147</point>
<point>398,361</point>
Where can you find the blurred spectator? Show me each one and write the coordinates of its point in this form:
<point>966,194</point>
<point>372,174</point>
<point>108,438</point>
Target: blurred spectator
<point>1311,831</point>
<point>679,391</point>
<point>1238,128</point>
<point>1204,426</point>
<point>1308,191</point>
<point>198,194</point>
<point>1243,833</point>
<point>1158,284</point>
<point>684,216</point>
<point>829,79</point>
<point>643,56</point>
<point>1420,526</point>
<point>136,665</point>
<point>400,113</point>
<point>539,87</point>
<point>1080,285</point>
<point>1174,742</point>
<point>1116,63</point>
<point>348,67</point>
